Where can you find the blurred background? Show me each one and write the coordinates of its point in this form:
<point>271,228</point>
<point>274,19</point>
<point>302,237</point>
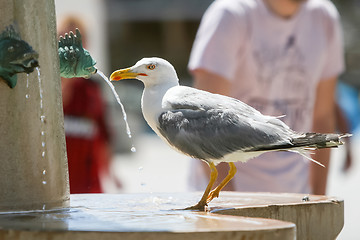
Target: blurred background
<point>121,32</point>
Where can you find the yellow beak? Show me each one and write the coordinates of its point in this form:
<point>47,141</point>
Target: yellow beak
<point>125,74</point>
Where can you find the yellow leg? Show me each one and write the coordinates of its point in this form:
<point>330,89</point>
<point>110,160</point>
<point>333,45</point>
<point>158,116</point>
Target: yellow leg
<point>215,193</point>
<point>203,201</point>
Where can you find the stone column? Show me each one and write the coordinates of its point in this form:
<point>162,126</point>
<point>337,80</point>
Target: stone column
<point>33,163</point>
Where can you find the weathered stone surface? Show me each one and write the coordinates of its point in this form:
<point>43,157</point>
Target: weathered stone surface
<point>320,217</point>
<point>31,117</point>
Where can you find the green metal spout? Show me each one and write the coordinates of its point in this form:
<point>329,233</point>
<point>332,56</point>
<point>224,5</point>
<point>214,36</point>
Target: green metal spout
<point>16,56</point>
<point>75,61</point>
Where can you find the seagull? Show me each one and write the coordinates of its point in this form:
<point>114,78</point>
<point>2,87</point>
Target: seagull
<point>211,127</point>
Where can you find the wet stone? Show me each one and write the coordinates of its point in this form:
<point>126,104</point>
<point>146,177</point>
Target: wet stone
<point>153,215</point>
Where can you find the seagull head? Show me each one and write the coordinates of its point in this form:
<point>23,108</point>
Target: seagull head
<point>151,71</point>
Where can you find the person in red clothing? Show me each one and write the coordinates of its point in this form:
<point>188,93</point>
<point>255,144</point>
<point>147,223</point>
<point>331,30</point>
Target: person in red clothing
<point>87,136</point>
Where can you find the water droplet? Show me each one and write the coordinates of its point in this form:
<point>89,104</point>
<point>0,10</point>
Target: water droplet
<point>43,154</point>
<point>44,207</point>
<point>44,182</point>
<point>42,133</point>
<point>43,144</point>
<point>42,118</point>
<point>133,149</point>
<point>44,172</point>
<point>27,96</point>
<point>27,80</point>
<point>128,131</point>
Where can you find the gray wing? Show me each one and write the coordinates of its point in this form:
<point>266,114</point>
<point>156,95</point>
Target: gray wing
<point>209,126</point>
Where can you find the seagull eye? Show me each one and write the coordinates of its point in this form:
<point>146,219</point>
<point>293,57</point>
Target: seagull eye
<point>151,67</point>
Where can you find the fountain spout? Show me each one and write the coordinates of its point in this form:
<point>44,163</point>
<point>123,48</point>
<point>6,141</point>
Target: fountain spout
<point>16,56</point>
<point>75,61</point>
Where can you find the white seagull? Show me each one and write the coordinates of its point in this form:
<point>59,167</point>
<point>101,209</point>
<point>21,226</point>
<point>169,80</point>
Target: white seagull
<point>212,127</point>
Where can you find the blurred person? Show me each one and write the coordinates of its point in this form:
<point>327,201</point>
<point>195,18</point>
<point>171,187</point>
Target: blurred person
<point>348,112</point>
<point>347,94</point>
<point>282,57</point>
<point>342,125</point>
<point>348,86</point>
<point>347,91</point>
<point>87,135</point>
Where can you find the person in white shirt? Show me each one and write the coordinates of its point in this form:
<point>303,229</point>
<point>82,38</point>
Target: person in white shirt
<point>282,57</point>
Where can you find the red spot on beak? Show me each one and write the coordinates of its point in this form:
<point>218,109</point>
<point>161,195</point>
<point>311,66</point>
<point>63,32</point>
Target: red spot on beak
<point>142,74</point>
<point>116,78</point>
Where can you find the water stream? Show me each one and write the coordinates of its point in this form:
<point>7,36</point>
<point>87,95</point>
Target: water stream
<point>27,86</point>
<point>128,131</point>
<point>40,90</point>
<point>42,119</point>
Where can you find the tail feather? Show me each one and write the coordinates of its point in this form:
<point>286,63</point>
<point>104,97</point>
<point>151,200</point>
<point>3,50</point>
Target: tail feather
<point>304,143</point>
<point>305,154</point>
<point>319,140</point>
<point>308,141</point>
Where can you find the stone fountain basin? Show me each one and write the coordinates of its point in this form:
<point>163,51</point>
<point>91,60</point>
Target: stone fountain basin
<point>154,216</point>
